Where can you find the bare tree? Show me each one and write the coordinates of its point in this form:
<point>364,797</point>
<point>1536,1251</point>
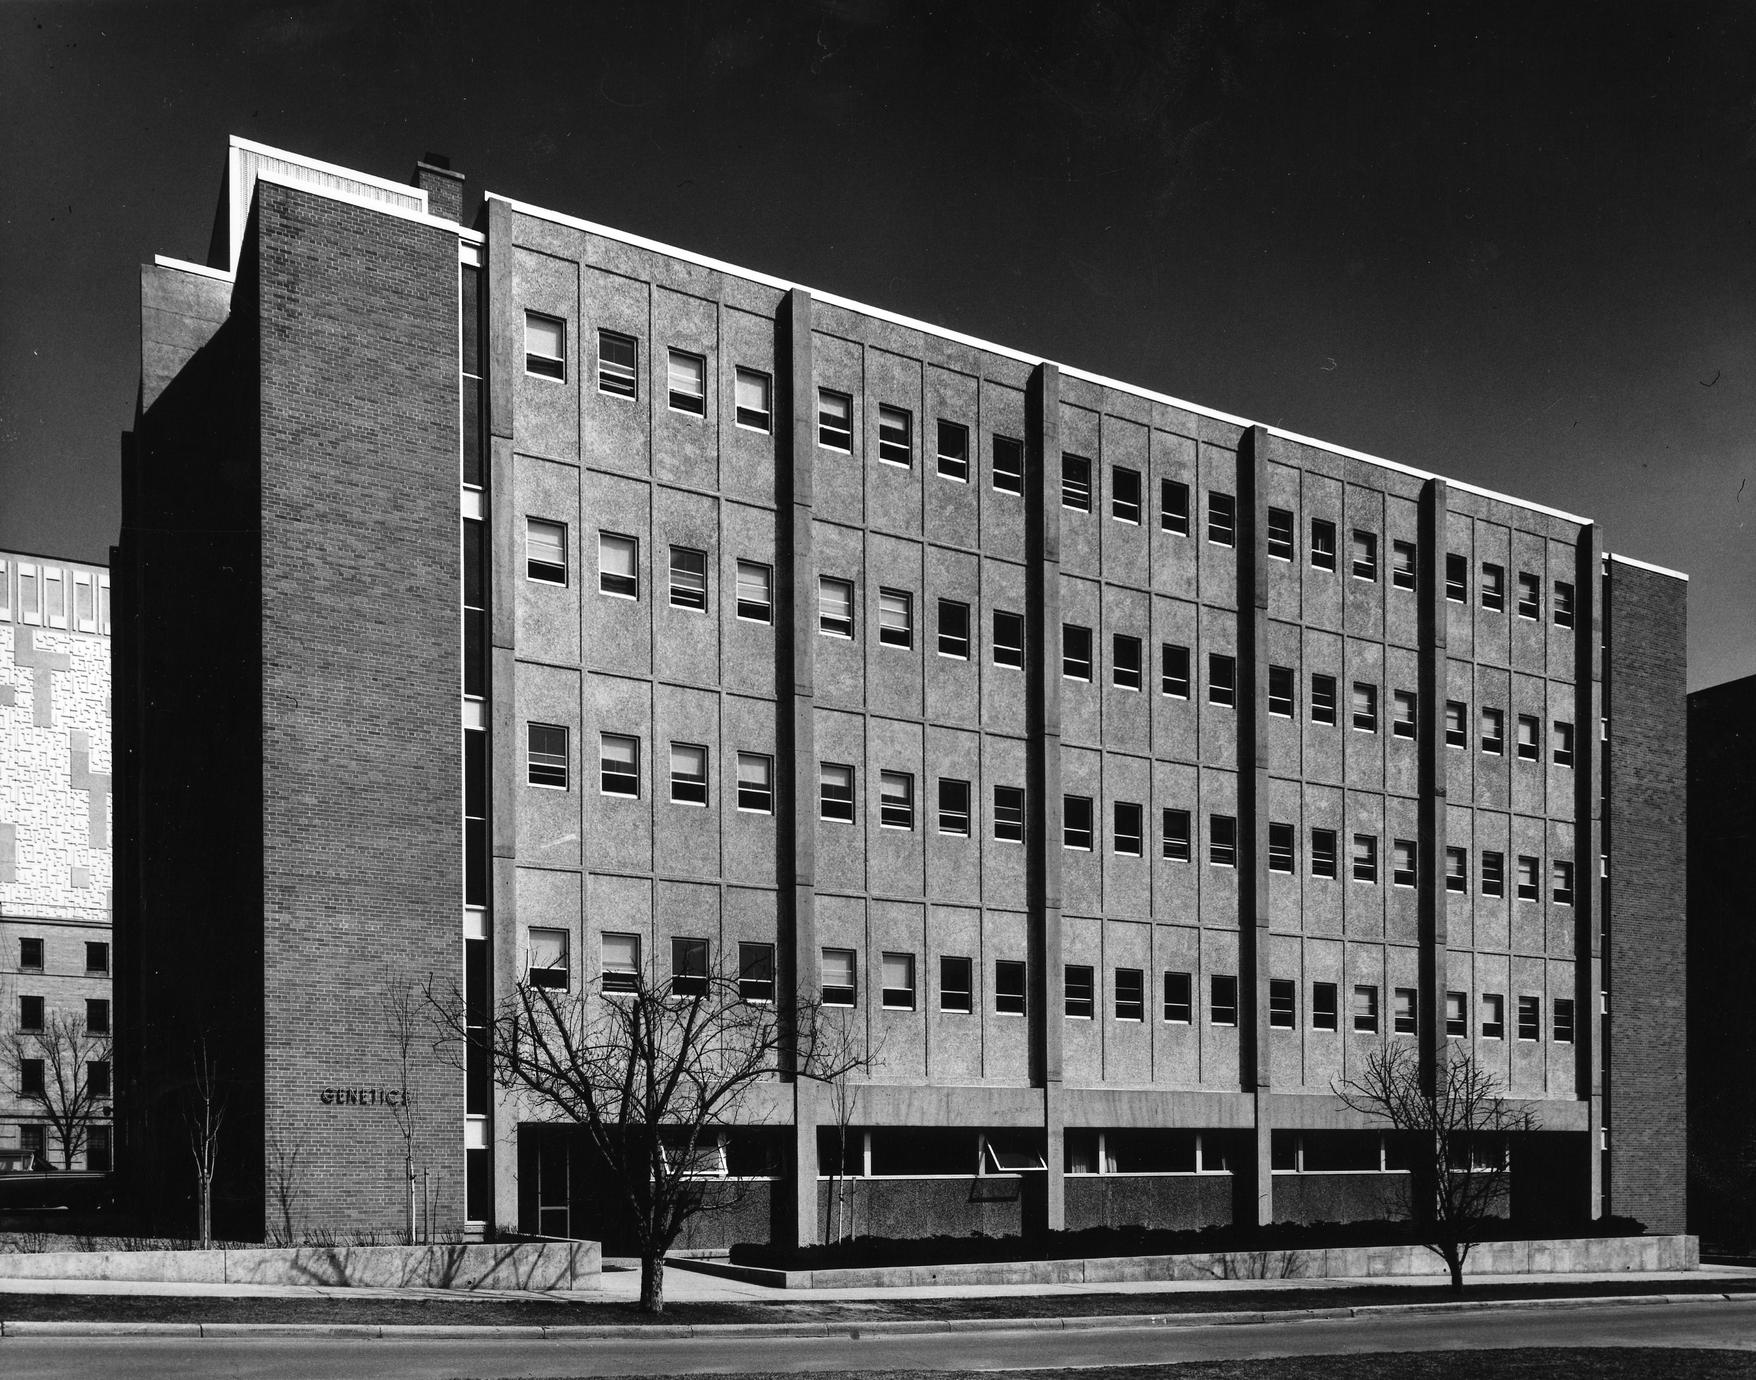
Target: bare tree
<point>52,1066</point>
<point>841,1044</point>
<point>652,1074</point>
<point>204,1112</point>
<point>406,1023</point>
<point>286,1185</point>
<point>1456,1130</point>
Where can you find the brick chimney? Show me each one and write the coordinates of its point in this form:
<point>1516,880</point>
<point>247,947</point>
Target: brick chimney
<point>443,187</point>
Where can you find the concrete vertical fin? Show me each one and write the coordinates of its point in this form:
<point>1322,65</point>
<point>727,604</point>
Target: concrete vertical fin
<point>1253,801</point>
<point>1430,747</point>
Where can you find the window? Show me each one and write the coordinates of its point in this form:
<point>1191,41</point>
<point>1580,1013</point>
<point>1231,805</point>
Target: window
<point>1009,814</point>
<point>1076,822</point>
<point>545,346</point>
<point>688,578</point>
<point>1125,494</point>
<point>1563,604</point>
<point>1280,848</point>
<point>545,551</point>
<point>1323,852</point>
<point>837,969</point>
<point>953,807</point>
<point>546,749</point>
<point>1324,1007</point>
<point>896,618</point>
<point>835,792</point>
<point>546,964</point>
<point>1493,1016</point>
<point>1174,670</point>
<point>1280,691</point>
<point>30,1080</point>
<point>30,955</point>
<point>1282,1003</point>
<point>1562,878</point>
<point>1529,731</point>
<point>954,985</point>
<point>755,592</point>
<point>1322,544</point>
<point>1076,483</point>
<point>756,972</point>
<point>1456,718</point>
<point>1457,869</point>
<point>30,594</point>
<point>1130,994</point>
<point>1125,662</point>
<point>1222,1000</point>
<point>616,364</point>
<point>1494,731</point>
<point>1222,840</point>
<point>1008,639</point>
<point>97,1083</point>
<point>621,972</point>
<point>1222,519</point>
<point>756,783</point>
<point>1280,534</point>
<point>1322,699</point>
<point>688,379</point>
<point>688,774</point>
<point>898,972</point>
<point>1175,824</point>
<point>1008,465</point>
<point>1365,1009</point>
<point>895,436</point>
<point>618,764</point>
<point>1365,707</point>
<point>1402,564</point>
<point>1075,652</point>
<point>954,629</point>
<point>1365,857</point>
<point>1530,1018</point>
<point>835,420</point>
<point>1493,873</point>
<point>755,393</point>
<point>1402,862</point>
<point>1561,742</point>
<point>1530,595</point>
<point>618,565</point>
<point>1456,578</point>
<point>1493,587</point>
<point>1407,1001</point>
<point>1179,998</point>
<point>1222,680</point>
<point>1079,988</point>
<point>953,451</point>
<point>1173,506</point>
<point>97,1016</point>
<point>1009,987</point>
<point>1529,878</point>
<point>1365,555</point>
<point>1404,713</point>
<point>835,607</point>
<point>1128,829</point>
<point>1563,1020</point>
<point>896,800</point>
<point>1456,1016</point>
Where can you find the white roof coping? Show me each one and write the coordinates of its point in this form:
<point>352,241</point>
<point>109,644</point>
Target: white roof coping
<point>184,266</point>
<point>1647,565</point>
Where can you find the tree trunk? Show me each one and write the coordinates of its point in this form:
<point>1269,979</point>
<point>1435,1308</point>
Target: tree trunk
<point>206,1213</point>
<point>652,1282</point>
<point>1454,1263</point>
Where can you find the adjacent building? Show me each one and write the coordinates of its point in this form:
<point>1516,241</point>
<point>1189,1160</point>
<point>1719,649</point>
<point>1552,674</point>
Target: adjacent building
<point>529,595</point>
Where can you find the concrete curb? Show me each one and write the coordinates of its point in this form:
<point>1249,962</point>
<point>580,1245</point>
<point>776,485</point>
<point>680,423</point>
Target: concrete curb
<point>853,1331</point>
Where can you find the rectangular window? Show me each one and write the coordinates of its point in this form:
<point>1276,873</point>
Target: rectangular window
<point>30,1084</point>
<point>1402,862</point>
<point>1222,840</point>
<point>1456,724</point>
<point>1563,604</point>
<point>1130,994</point>
<point>1280,691</point>
<point>1128,829</point>
<point>54,596</point>
<point>546,749</point>
<point>1222,680</point>
<point>97,1016</point>
<point>621,971</point>
<point>1493,587</point>
<point>1530,887</point>
<point>618,764</point>
<point>688,380</point>
<point>1125,494</point>
<point>1530,595</point>
<point>545,551</point>
<point>1008,465</point>
<point>1282,1004</point>
<point>756,972</point>
<point>1075,652</point>
<point>953,807</point>
<point>1280,534</point>
<point>1530,1018</point>
<point>1280,848</point>
<point>1494,731</point>
<point>688,967</point>
<point>756,783</point>
<point>1402,564</point>
<point>954,629</point>
<point>1173,506</point>
<point>1493,1016</point>
<point>1009,814</point>
<point>1008,638</point>
<point>835,792</point>
<point>1322,544</point>
<point>1529,734</point>
<point>1179,998</point>
<point>1125,662</point>
<point>616,364</point>
<point>1456,1016</point>
<point>755,394</point>
<point>955,992</point>
<point>835,607</point>
<point>545,346</point>
<point>1079,987</point>
<point>1456,578</point>
<point>1175,824</point>
<point>1365,707</point>
<point>953,451</point>
<point>1493,873</point>
<point>1325,1012</point>
<point>688,774</point>
<point>1222,1000</point>
<point>1561,742</point>
<point>97,1082</point>
<point>1076,483</point>
<point>1322,699</point>
<point>1457,869</point>
<point>755,592</point>
<point>1174,670</point>
<point>1407,1004</point>
<point>1323,852</point>
<point>896,618</point>
<point>30,955</point>
<point>899,982</point>
<point>835,420</point>
<point>1076,822</point>
<point>1365,555</point>
<point>1365,1009</point>
<point>1563,1020</point>
<point>1222,519</point>
<point>6,592</point>
<point>618,565</point>
<point>837,973</point>
<point>1009,987</point>
<point>1365,857</point>
<point>1562,876</point>
<point>896,443</point>
<point>30,594</point>
<point>896,800</point>
<point>1404,710</point>
<point>688,578</point>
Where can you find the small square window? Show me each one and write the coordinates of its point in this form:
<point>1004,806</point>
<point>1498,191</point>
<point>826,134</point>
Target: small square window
<point>1403,570</point>
<point>1125,494</point>
<point>1365,1009</point>
<point>1009,976</point>
<point>1529,878</point>
<point>1456,724</point>
<point>688,383</point>
<point>1282,1004</point>
<point>1365,858</point>
<point>1222,840</point>
<point>97,1016</point>
<point>1222,999</point>
<point>617,373</point>
<point>1008,465</point>
<point>756,783</point>
<point>1179,998</point>
<point>954,629</point>
<point>1128,829</point>
<point>1175,824</point>
<point>1457,869</point>
<point>1365,707</point>
<point>838,973</point>
<point>1563,1020</point>
<point>1561,741</point>
<point>1222,519</point>
<point>755,394</point>
<point>1493,587</point>
<point>1325,1009</point>
<point>1174,670</point>
<point>1009,814</point>
<point>1530,1018</point>
<point>1456,1016</point>
<point>1076,483</point>
<point>1405,713</point>
<point>899,982</point>
<point>1280,691</point>
<point>755,592</point>
<point>618,764</point>
<point>1125,662</point>
<point>1075,652</point>
<point>30,955</point>
<point>1493,1016</point>
<point>1365,555</point>
<point>1323,852</point>
<point>545,346</point>
<point>1280,848</point>
<point>1079,991</point>
<point>546,746</point>
<point>953,807</point>
<point>1494,732</point>
<point>1322,544</point>
<point>1322,699</point>
<point>618,565</point>
<point>1280,534</point>
<point>1529,736</point>
<point>896,436</point>
<point>896,618</point>
<point>1008,639</point>
<point>1407,1001</point>
<point>1562,876</point>
<point>756,972</point>
<point>835,420</point>
<point>1493,873</point>
<point>1173,507</point>
<point>1530,595</point>
<point>1130,994</point>
<point>835,792</point>
<point>953,451</point>
<point>688,774</point>
<point>688,578</point>
<point>545,551</point>
<point>1076,822</point>
<point>1402,862</point>
<point>1563,604</point>
<point>835,607</point>
<point>688,967</point>
<point>955,987</point>
<point>621,957</point>
<point>896,800</point>
<point>1456,578</point>
<point>1222,680</point>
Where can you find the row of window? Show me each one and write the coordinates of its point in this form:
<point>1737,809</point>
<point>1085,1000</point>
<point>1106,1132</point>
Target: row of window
<point>33,1072</point>
<point>31,1015</point>
<point>52,596</point>
<point>30,956</point>
<point>33,1142</point>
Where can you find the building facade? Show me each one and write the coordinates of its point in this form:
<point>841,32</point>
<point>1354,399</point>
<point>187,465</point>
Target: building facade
<point>55,862</point>
<point>1129,771</point>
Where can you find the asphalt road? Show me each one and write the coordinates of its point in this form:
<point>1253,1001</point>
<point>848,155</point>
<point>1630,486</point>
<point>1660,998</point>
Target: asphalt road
<point>1719,1324</point>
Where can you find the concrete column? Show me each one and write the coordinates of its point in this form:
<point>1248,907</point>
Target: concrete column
<point>1430,744</point>
<point>1588,790</point>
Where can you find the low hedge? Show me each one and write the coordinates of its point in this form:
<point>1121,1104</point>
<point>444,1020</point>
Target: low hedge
<point>866,1252</point>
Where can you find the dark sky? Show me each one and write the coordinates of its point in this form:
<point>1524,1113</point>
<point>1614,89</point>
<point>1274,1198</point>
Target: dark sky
<point>1508,243</point>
